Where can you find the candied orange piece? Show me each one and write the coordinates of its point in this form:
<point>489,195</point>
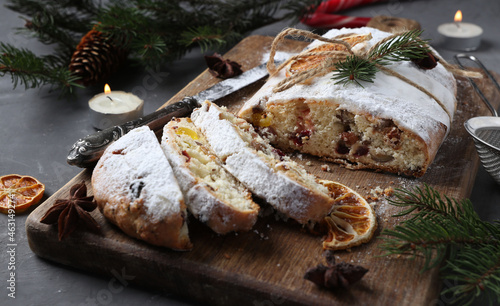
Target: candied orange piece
<point>313,61</point>
<point>187,131</point>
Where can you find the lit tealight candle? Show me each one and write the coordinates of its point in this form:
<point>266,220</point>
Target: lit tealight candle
<point>461,35</point>
<point>114,107</point>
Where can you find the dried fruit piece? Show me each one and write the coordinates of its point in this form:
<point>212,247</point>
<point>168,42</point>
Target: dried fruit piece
<point>187,131</point>
<point>351,221</point>
<point>19,192</point>
<point>262,119</point>
<point>312,61</point>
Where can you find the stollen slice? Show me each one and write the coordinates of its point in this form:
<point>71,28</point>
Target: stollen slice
<point>212,194</point>
<point>135,188</point>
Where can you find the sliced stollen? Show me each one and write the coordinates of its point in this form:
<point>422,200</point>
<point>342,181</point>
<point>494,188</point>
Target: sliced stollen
<point>211,193</point>
<point>262,169</point>
<point>136,189</point>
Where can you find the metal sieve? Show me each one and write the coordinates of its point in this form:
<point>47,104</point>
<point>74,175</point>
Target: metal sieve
<point>485,130</point>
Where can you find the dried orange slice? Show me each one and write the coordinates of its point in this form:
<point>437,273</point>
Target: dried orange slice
<point>351,221</point>
<point>19,192</point>
<point>313,61</point>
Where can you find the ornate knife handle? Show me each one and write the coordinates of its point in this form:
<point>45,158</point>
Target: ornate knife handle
<point>87,151</point>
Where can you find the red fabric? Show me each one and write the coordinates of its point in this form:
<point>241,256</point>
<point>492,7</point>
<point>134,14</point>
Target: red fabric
<point>321,17</point>
<point>333,6</point>
<point>329,21</point>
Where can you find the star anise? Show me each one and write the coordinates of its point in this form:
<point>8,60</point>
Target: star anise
<point>340,275</point>
<point>68,213</point>
<point>222,68</point>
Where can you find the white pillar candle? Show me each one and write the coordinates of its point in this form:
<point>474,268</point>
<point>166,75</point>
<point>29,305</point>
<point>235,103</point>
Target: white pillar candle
<point>461,35</point>
<point>114,107</point>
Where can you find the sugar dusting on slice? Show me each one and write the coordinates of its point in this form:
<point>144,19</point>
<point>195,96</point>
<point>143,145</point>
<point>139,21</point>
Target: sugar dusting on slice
<point>138,159</point>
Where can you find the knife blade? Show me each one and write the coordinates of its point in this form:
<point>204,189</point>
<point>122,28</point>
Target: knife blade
<point>86,151</point>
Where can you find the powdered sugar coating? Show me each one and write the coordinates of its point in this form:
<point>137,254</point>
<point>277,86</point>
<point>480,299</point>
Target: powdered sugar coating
<point>199,201</point>
<point>208,119</point>
<point>388,97</point>
<point>241,160</point>
<point>136,159</point>
<point>283,193</point>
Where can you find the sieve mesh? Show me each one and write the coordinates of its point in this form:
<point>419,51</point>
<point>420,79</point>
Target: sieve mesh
<point>490,135</point>
<point>489,154</point>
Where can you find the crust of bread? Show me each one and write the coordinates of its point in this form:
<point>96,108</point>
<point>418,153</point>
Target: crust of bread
<point>203,201</point>
<point>126,182</point>
<point>282,183</point>
<point>223,218</point>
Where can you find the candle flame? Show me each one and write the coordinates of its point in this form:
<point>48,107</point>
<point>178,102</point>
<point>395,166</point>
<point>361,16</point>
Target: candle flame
<point>107,89</point>
<point>458,16</point>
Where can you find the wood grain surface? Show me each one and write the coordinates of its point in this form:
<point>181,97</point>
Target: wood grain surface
<point>266,265</point>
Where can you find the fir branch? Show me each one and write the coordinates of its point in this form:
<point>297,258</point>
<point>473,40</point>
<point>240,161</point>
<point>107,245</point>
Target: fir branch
<point>444,230</point>
<point>434,238</point>
<point>72,15</point>
<point>204,36</point>
<point>300,9</point>
<point>404,47</point>
<point>354,69</point>
<point>42,26</point>
<point>475,271</point>
<point>152,31</point>
<point>212,24</point>
<point>428,201</point>
<point>151,48</point>
<point>25,68</point>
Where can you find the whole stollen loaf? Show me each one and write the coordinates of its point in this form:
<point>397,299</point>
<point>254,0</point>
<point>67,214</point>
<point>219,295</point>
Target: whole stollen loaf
<point>387,125</point>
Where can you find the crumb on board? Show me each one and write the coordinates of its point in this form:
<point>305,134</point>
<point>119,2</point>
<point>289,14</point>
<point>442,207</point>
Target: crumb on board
<point>377,192</point>
<point>227,256</point>
<point>389,191</point>
<point>325,168</point>
<point>308,163</point>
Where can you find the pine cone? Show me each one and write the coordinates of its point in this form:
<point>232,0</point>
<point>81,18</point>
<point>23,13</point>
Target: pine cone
<point>96,58</point>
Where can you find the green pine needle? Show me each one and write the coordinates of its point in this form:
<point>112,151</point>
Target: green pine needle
<point>475,271</point>
<point>205,36</point>
<point>404,47</point>
<point>449,232</point>
<point>354,69</point>
<point>30,70</point>
<point>152,32</point>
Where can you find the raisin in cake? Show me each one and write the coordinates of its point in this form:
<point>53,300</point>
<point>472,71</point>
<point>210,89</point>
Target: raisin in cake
<point>265,171</point>
<point>136,189</point>
<point>211,193</point>
<point>386,125</point>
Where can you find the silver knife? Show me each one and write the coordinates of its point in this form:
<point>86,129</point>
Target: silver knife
<point>87,151</point>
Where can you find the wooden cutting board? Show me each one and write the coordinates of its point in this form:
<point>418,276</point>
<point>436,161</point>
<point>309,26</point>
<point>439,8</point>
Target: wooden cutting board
<point>266,266</point>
